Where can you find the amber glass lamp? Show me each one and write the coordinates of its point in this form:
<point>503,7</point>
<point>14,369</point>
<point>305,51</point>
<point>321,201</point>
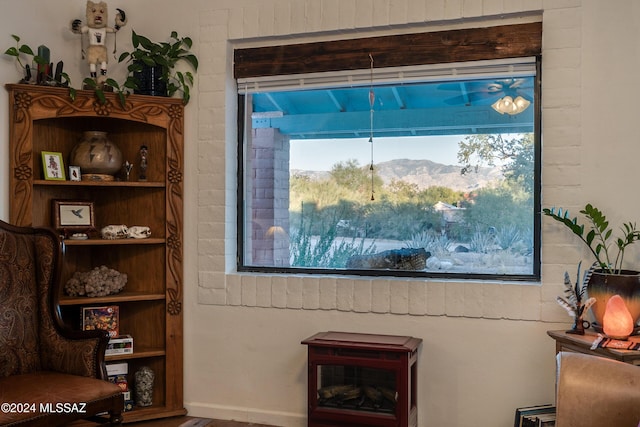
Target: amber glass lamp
<point>617,322</point>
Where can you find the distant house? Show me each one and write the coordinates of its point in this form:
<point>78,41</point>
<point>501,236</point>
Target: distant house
<point>450,213</point>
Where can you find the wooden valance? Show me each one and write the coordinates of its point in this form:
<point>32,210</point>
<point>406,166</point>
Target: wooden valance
<point>499,42</point>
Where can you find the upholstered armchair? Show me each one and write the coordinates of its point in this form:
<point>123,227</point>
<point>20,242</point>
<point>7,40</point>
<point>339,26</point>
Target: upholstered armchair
<point>49,374</point>
<point>596,392</point>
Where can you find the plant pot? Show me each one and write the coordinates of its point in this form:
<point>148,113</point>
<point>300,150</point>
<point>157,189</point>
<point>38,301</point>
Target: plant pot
<point>603,286</point>
<point>150,82</point>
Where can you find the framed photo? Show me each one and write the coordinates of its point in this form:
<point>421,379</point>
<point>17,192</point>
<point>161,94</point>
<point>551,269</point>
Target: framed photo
<point>73,215</point>
<point>74,173</point>
<point>53,166</point>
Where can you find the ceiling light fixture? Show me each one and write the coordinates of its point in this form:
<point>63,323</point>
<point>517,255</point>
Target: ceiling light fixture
<point>511,106</point>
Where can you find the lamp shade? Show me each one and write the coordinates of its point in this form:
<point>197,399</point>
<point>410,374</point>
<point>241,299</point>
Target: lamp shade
<point>617,322</point>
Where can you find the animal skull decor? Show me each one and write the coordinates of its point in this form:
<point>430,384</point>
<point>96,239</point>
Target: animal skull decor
<point>112,232</point>
<point>139,232</point>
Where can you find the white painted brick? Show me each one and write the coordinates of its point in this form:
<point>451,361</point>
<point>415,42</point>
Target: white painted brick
<point>234,290</point>
<point>492,300</point>
<point>552,312</point>
<point>263,292</point>
<point>562,97</point>
<point>362,296</point>
<point>566,175</point>
<point>562,117</point>
<point>380,13</point>
<point>452,9</point>
<point>557,136</point>
<point>473,299</point>
<point>364,13</point>
<point>561,78</point>
<point>344,294</point>
<point>560,4</point>
<point>399,297</point>
<point>380,296</point>
<point>554,59</point>
<point>251,22</point>
<point>266,19</point>
<point>436,297</point>
<point>559,156</point>
<point>211,280</point>
<point>397,12</point>
<point>311,293</point>
<point>531,4</point>
<point>212,296</point>
<point>282,17</point>
<point>435,10</point>
<point>492,7</point>
<point>212,247</point>
<point>416,11</point>
<point>330,15</point>
<point>328,291</point>
<point>563,18</point>
<point>530,303</point>
<point>294,292</point>
<point>235,24</point>
<point>556,38</point>
<point>512,297</point>
<point>248,284</point>
<point>471,8</point>
<point>347,14</point>
<point>454,299</point>
<point>279,291</point>
<point>313,14</point>
<point>417,298</point>
<point>298,17</point>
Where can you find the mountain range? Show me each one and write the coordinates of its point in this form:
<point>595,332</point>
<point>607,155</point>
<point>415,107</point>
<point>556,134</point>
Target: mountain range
<point>424,174</point>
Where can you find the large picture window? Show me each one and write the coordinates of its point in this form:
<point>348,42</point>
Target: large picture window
<point>423,170</point>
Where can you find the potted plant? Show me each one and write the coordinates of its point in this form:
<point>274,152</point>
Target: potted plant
<point>607,277</point>
<point>152,66</point>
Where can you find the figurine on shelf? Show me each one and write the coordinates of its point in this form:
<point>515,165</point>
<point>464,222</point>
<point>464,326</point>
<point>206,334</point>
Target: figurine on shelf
<point>97,29</point>
<point>127,169</point>
<point>144,154</point>
<point>574,303</point>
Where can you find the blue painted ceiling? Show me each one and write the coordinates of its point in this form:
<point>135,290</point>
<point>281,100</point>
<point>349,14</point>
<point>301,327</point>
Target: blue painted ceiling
<point>442,108</point>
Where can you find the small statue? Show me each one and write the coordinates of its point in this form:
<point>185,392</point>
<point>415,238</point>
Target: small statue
<point>573,302</point>
<point>144,154</point>
<point>97,29</point>
<point>127,169</point>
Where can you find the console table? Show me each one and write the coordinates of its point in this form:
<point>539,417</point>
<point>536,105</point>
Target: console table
<point>582,344</point>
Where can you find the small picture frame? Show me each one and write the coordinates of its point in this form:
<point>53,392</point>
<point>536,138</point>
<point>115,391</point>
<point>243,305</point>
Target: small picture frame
<point>73,215</point>
<point>74,173</point>
<point>53,166</point>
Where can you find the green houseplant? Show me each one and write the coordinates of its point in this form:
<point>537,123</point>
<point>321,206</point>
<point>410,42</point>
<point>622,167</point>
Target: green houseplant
<point>607,277</point>
<point>598,237</point>
<point>150,59</point>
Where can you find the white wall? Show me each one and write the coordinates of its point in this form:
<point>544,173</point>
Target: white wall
<point>485,350</point>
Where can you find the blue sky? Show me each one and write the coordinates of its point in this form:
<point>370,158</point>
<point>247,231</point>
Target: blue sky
<point>321,155</point>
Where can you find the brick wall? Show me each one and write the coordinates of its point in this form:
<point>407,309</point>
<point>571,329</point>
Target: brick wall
<point>225,24</point>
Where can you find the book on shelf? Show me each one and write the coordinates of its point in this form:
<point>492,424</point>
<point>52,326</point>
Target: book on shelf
<point>122,344</point>
<point>117,374</point>
<point>106,318</point>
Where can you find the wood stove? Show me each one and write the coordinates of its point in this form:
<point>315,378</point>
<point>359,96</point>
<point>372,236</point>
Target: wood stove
<point>358,380</point>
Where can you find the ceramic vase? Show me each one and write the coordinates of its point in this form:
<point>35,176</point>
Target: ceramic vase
<point>99,158</point>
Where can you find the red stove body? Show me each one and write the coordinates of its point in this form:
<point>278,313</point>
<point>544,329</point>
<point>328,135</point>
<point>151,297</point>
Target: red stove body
<point>362,380</point>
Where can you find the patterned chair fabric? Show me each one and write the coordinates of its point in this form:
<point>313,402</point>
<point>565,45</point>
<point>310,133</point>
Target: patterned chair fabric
<point>37,352</point>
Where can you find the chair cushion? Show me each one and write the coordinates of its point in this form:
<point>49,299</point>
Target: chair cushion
<point>19,348</point>
<point>51,388</point>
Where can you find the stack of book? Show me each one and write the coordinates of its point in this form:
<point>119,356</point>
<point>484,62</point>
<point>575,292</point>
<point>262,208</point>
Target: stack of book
<point>108,318</point>
<point>117,374</point>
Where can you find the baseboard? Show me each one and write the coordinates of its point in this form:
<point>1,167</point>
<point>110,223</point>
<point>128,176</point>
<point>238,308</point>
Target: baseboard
<point>246,415</point>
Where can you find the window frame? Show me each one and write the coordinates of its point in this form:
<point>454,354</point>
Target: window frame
<point>509,41</point>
